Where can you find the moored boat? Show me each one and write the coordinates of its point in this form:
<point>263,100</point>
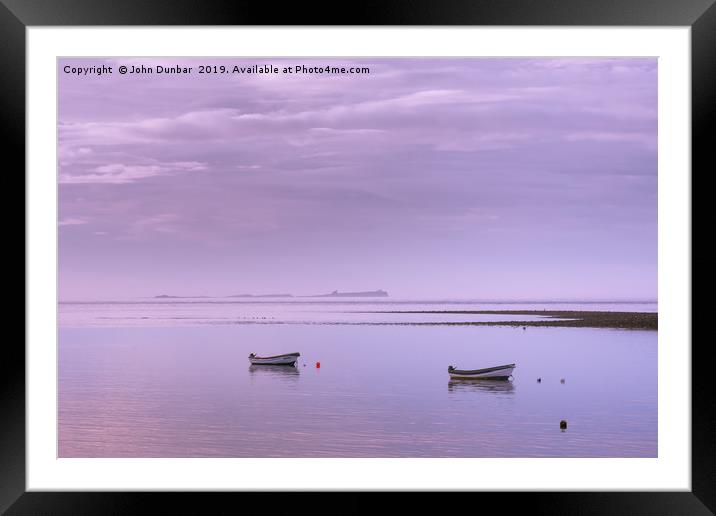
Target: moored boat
<point>502,372</point>
<point>286,359</point>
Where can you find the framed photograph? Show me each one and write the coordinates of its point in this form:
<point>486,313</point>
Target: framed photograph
<point>443,248</point>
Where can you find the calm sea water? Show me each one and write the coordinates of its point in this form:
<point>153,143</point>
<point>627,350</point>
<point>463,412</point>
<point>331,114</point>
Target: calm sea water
<point>172,379</point>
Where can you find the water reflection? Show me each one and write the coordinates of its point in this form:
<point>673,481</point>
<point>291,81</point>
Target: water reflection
<point>274,371</point>
<point>493,386</point>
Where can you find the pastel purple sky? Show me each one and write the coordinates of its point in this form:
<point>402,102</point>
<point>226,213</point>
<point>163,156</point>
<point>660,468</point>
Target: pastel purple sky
<point>432,178</point>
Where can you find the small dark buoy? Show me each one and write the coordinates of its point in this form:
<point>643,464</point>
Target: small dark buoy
<point>562,380</point>
<point>539,380</point>
<point>524,327</point>
<point>563,425</point>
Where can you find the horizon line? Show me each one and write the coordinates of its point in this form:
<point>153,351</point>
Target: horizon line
<point>385,299</point>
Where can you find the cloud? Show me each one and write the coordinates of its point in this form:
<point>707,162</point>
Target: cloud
<point>151,225</point>
<point>464,128</point>
<point>118,173</point>
<point>69,153</point>
<point>72,222</point>
<point>645,139</point>
<point>471,142</point>
<point>226,124</point>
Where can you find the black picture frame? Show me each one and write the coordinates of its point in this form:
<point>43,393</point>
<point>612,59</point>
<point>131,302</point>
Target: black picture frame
<point>17,15</point>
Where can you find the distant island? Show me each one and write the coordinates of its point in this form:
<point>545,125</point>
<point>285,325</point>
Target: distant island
<point>165,296</point>
<point>335,293</point>
<point>370,293</point>
<point>261,295</point>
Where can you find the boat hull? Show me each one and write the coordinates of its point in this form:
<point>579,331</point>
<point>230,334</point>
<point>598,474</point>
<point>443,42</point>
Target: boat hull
<point>288,360</point>
<point>495,373</point>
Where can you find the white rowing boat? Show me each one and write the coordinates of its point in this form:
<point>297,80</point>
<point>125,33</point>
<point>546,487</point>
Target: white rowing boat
<point>502,372</point>
<point>287,359</point>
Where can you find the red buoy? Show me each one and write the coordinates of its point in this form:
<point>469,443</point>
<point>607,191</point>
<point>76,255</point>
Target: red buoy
<point>318,365</point>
